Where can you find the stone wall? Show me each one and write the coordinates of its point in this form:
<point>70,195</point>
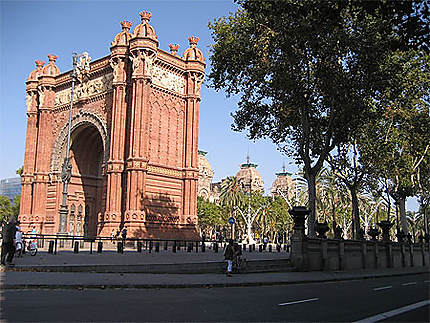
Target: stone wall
<point>331,254</point>
<point>310,254</point>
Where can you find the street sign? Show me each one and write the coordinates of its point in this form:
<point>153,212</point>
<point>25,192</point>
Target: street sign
<point>231,220</point>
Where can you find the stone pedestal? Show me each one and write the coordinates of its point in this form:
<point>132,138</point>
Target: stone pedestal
<point>374,233</point>
<point>298,238</point>
<point>322,228</point>
<point>385,226</point>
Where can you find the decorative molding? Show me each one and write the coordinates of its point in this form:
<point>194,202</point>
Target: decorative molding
<point>83,117</point>
<point>165,171</point>
<point>85,90</point>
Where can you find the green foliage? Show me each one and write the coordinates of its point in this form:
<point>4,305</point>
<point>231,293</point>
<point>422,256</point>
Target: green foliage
<point>19,171</point>
<point>5,208</point>
<point>209,214</point>
<point>307,70</point>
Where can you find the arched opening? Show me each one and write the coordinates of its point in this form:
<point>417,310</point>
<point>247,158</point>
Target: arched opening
<point>85,188</point>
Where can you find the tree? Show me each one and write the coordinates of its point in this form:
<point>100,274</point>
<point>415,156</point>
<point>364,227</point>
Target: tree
<point>209,214</point>
<point>19,171</point>
<point>304,71</point>
<point>396,143</point>
<point>346,166</point>
<point>5,208</point>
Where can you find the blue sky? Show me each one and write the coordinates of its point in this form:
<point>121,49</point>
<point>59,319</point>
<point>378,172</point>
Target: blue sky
<point>32,29</point>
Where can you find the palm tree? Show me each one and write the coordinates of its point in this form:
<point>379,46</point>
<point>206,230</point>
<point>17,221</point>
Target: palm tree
<point>230,192</point>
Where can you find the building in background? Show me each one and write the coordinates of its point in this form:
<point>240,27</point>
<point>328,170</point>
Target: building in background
<point>249,177</point>
<point>10,187</point>
<point>283,185</point>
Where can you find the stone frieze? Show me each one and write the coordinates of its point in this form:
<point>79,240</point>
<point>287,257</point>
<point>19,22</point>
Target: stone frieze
<point>168,80</point>
<point>85,89</point>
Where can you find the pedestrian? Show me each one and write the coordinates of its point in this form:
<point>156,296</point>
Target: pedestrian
<point>228,256</point>
<point>112,235</point>
<point>19,244</point>
<point>8,240</point>
<point>124,235</point>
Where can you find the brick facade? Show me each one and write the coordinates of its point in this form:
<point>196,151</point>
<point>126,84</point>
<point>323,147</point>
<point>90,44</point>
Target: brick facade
<point>133,143</point>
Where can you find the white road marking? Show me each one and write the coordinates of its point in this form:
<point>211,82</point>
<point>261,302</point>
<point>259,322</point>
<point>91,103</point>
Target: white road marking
<point>392,313</point>
<point>411,283</point>
<point>427,281</point>
<point>381,288</point>
<point>302,301</point>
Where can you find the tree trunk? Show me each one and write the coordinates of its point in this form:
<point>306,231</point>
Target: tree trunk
<point>402,210</point>
<point>355,212</point>
<point>310,177</point>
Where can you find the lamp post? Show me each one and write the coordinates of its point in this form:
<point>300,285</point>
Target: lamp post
<point>79,67</point>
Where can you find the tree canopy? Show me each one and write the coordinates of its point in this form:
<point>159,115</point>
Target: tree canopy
<point>306,71</point>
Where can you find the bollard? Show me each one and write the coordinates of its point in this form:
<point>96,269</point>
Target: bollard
<point>203,247</point>
<point>157,247</point>
<point>51,247</point>
<point>216,247</point>
<point>190,247</point>
<point>55,246</point>
<point>119,247</point>
<point>139,246</point>
<point>270,248</point>
<point>150,246</point>
<point>288,248</point>
<point>197,246</point>
<point>91,247</point>
<point>278,247</point>
<point>250,248</point>
<point>165,245</point>
<point>253,247</point>
<point>244,247</point>
<point>76,247</point>
<point>99,247</point>
<point>285,247</point>
<point>174,247</point>
<point>260,248</point>
<point>178,247</point>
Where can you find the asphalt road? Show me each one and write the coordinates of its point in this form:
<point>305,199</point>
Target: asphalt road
<point>318,302</point>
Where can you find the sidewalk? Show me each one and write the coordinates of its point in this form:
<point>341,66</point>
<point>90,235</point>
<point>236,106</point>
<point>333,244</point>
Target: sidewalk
<point>123,279</point>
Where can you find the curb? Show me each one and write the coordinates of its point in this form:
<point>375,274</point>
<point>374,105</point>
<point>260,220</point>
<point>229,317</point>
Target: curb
<point>201,285</point>
<point>208,267</point>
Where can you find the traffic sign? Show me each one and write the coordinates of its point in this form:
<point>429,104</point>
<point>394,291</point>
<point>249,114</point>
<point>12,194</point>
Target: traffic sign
<point>231,220</point>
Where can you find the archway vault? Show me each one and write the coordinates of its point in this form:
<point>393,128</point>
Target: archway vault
<point>81,119</point>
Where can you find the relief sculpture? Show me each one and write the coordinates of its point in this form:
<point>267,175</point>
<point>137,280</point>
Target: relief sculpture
<point>86,89</point>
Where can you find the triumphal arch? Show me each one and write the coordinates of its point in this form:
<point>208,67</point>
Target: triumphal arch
<point>133,146</point>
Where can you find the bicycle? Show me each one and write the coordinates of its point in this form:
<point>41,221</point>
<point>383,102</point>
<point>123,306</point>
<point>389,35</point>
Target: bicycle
<point>32,247</point>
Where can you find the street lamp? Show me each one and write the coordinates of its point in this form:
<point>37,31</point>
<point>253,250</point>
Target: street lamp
<point>79,68</point>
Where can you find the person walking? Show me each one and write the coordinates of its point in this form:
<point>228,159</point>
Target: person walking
<point>19,244</point>
<point>124,235</point>
<point>228,256</point>
<point>8,240</point>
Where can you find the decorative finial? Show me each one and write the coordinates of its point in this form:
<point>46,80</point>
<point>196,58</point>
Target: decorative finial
<point>247,158</point>
<point>52,58</point>
<point>126,24</point>
<point>39,64</point>
<point>283,167</point>
<point>173,48</point>
<point>145,16</point>
<point>193,40</point>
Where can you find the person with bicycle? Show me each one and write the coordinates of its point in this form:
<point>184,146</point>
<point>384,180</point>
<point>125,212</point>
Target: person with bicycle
<point>228,256</point>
